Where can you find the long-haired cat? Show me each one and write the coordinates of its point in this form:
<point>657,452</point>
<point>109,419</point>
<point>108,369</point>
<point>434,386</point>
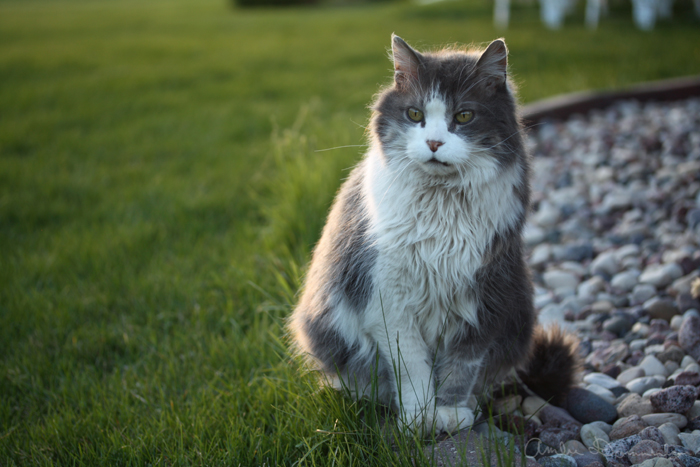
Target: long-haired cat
<point>419,279</point>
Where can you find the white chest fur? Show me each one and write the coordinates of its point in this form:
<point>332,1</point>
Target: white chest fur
<point>432,239</point>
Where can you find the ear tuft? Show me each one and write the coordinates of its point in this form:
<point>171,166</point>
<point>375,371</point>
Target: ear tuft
<point>406,60</point>
<point>494,62</point>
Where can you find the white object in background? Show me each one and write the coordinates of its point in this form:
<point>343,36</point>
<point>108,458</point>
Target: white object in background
<point>552,12</point>
<point>664,8</point>
<point>592,13</point>
<point>501,13</point>
<point>697,8</point>
<point>644,12</point>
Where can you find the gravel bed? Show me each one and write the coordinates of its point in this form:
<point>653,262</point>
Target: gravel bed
<point>614,241</point>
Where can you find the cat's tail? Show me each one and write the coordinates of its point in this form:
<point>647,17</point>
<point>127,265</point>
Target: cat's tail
<point>554,364</point>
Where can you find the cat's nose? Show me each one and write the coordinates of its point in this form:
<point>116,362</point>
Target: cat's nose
<point>434,145</point>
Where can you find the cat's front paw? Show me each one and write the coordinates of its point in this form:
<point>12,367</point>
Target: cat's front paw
<point>450,419</point>
<point>444,419</point>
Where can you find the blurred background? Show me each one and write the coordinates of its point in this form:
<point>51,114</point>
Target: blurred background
<point>165,170</point>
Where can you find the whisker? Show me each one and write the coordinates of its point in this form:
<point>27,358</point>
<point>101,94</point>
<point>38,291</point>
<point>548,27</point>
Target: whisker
<point>341,147</point>
<point>364,127</point>
<point>509,137</point>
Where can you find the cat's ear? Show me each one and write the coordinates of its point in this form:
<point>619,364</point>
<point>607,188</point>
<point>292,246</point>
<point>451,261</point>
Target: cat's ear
<point>406,60</point>
<point>493,64</point>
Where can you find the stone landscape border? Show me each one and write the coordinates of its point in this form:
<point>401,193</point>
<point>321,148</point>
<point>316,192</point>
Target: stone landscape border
<point>477,446</point>
<point>565,105</point>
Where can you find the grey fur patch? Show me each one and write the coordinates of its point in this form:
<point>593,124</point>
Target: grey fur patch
<point>355,256</point>
<point>327,345</point>
<point>343,260</point>
<point>506,314</point>
<point>505,297</point>
<point>341,270</point>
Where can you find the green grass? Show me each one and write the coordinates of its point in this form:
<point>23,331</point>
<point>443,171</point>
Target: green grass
<point>160,192</point>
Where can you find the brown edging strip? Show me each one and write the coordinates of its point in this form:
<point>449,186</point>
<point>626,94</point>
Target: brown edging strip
<point>561,107</point>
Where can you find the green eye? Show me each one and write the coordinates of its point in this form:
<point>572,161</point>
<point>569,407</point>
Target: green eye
<point>415,115</point>
<point>464,116</point>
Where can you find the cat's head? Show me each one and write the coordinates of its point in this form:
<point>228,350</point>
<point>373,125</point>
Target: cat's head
<point>449,114</point>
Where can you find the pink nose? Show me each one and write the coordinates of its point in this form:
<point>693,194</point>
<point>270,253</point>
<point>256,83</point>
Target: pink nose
<point>434,145</point>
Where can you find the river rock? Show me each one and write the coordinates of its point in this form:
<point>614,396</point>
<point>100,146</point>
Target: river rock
<point>589,459</point>
<point>640,385</point>
<point>643,450</point>
<point>694,413</point>
<point>533,235</point>
<point>532,405</point>
<point>605,264</point>
<point>574,448</point>
<point>676,399</point>
<point>557,279</point>
<point>540,255</point>
<point>587,407</point>
<point>605,394</point>
<point>691,440</point>
<point>684,284</point>
<point>557,436</point>
<point>618,391</point>
<point>658,419</point>
<point>627,426</point>
<point>687,361</point>
<point>670,433</point>
<point>630,374</point>
<point>660,308</point>
<point>652,366</point>
<point>624,281</point>
<point>556,416</point>
<point>547,214</point>
<point>600,358</point>
<point>618,325</point>
<point>643,292</point>
<point>676,322</point>
<point>617,451</point>
<point>656,462</point>
<point>634,405</point>
<point>652,433</point>
<point>661,275</point>
<point>591,287</point>
<point>671,366</point>
<point>537,449</point>
<point>605,427</point>
<point>686,460</point>
<point>689,336</point>
<point>685,302</point>
<point>687,378</point>
<point>672,353</point>
<point>558,460</point>
<point>594,437</point>
<point>601,379</point>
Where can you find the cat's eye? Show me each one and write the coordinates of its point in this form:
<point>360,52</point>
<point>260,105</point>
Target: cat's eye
<point>464,116</point>
<point>415,115</point>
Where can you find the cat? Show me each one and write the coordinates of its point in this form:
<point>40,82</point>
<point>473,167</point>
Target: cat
<point>419,280</point>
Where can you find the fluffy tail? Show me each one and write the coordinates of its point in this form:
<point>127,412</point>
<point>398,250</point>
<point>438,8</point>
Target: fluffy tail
<point>554,364</point>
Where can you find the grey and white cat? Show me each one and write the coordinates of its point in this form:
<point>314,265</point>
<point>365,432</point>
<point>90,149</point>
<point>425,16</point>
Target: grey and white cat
<point>419,277</point>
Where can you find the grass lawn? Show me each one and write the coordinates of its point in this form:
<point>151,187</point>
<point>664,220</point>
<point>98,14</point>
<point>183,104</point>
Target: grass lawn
<point>160,192</point>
